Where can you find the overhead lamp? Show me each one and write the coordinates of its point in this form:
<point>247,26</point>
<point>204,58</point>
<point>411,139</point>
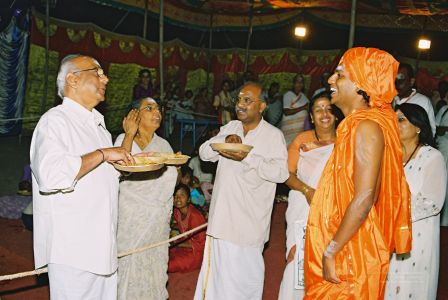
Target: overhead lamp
<point>424,44</point>
<point>300,31</point>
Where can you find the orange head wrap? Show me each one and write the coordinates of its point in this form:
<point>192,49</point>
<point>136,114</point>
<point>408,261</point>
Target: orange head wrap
<point>373,71</point>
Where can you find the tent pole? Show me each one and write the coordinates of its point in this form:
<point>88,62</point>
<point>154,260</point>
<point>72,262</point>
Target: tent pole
<point>249,35</point>
<point>161,51</point>
<point>47,56</point>
<point>352,25</point>
<point>120,21</point>
<point>145,19</point>
<point>209,56</point>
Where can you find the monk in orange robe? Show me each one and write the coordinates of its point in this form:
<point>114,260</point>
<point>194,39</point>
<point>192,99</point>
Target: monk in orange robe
<point>360,212</point>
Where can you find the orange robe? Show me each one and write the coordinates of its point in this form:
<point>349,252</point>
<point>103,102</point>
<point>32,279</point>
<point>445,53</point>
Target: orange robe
<point>363,263</point>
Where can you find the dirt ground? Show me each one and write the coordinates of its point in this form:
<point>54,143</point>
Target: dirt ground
<point>16,256</point>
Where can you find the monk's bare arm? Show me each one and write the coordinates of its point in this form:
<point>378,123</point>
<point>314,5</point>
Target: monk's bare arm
<point>369,148</point>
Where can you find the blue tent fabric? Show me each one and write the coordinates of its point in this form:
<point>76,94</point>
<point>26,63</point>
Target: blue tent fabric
<point>14,45</point>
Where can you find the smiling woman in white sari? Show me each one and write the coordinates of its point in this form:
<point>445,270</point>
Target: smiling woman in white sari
<point>145,206</point>
<point>307,156</point>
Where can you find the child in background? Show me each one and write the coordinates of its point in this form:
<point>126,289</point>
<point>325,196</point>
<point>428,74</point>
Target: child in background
<point>187,178</point>
<point>187,255</point>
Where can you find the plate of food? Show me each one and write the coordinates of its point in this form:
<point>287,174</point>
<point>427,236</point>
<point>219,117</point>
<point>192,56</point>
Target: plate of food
<point>142,164</point>
<point>231,147</point>
<point>172,158</point>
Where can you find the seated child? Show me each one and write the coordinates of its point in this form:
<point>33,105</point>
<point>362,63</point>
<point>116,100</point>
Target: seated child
<point>187,178</point>
<point>187,254</point>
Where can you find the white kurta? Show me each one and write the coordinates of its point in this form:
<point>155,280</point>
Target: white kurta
<point>309,170</point>
<point>240,212</point>
<point>243,193</point>
<point>74,222</point>
<point>415,275</point>
<point>145,206</point>
<point>292,125</point>
<point>442,143</point>
<point>423,101</point>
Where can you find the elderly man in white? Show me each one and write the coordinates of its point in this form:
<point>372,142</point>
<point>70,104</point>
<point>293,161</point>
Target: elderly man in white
<point>242,202</point>
<point>75,192</point>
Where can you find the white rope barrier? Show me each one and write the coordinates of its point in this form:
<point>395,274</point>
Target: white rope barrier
<point>120,255</point>
<point>175,238</point>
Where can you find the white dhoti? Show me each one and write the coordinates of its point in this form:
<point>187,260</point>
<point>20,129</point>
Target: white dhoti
<point>67,283</point>
<point>230,271</point>
<point>309,170</point>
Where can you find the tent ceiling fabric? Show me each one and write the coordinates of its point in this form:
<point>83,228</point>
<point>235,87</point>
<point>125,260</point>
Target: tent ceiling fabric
<point>268,13</point>
<point>408,7</point>
<point>226,14</point>
<point>233,14</point>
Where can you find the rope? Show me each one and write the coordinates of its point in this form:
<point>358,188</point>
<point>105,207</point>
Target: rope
<point>123,254</point>
<point>175,238</point>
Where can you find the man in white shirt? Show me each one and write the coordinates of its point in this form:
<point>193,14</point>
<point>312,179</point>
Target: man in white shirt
<point>75,192</point>
<point>406,94</point>
<point>242,202</point>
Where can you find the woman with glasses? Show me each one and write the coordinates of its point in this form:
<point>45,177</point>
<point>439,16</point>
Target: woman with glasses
<point>145,206</point>
<point>414,275</point>
<point>307,156</point>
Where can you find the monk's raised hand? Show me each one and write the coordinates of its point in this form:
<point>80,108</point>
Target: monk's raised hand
<point>329,269</point>
<point>233,138</point>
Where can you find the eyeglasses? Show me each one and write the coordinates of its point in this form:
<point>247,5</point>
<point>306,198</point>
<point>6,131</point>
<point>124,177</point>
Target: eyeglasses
<point>151,108</point>
<point>99,71</point>
<point>246,101</point>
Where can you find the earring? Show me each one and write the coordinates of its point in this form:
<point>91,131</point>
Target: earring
<point>418,131</point>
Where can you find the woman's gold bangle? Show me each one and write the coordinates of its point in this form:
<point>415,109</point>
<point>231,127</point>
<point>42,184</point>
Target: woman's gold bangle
<point>305,189</point>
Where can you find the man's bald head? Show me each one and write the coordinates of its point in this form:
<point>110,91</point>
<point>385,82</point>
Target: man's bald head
<point>257,88</point>
<point>70,63</point>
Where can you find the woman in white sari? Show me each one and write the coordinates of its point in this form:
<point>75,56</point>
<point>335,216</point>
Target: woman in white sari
<point>145,206</point>
<point>295,104</point>
<point>307,156</point>
<point>415,275</point>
